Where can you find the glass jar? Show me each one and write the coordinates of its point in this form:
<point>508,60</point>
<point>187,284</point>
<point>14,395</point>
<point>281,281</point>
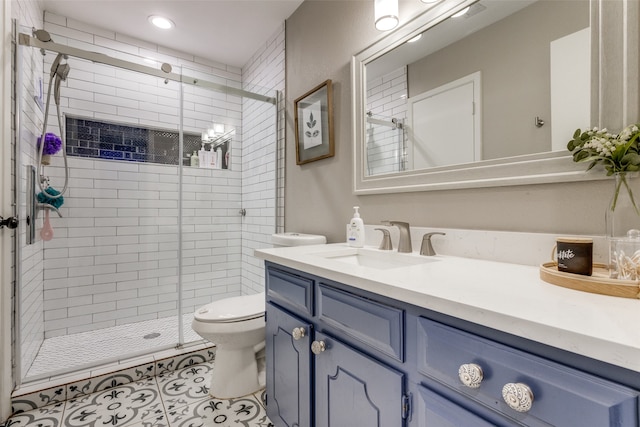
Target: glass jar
<point>622,218</point>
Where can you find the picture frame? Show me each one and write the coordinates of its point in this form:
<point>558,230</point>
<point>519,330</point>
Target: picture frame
<point>314,124</point>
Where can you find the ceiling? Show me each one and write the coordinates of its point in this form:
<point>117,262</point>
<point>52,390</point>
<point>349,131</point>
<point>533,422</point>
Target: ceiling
<point>225,31</point>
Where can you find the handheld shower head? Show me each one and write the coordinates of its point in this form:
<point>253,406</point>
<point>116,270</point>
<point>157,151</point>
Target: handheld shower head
<point>56,64</point>
<point>61,75</point>
<point>63,71</point>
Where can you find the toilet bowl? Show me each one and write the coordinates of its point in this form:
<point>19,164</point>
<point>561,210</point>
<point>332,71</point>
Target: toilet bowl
<point>236,326</point>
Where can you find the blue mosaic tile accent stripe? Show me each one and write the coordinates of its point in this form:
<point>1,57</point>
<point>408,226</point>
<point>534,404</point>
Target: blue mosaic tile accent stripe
<point>111,141</point>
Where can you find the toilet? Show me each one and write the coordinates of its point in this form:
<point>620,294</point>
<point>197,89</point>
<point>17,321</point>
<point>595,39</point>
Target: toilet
<point>236,326</point>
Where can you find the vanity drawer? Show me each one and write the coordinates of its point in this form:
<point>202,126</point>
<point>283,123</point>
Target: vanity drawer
<point>561,396</point>
<point>290,290</point>
<point>434,410</point>
<point>365,321</point>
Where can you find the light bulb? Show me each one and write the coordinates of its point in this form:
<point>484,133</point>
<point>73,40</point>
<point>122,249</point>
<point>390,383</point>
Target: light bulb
<point>386,14</point>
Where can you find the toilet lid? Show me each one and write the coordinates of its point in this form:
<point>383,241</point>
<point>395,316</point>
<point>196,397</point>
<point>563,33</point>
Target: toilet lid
<point>234,309</point>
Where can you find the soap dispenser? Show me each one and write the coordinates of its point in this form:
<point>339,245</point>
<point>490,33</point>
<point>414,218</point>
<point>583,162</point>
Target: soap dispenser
<point>355,234</point>
<point>195,161</point>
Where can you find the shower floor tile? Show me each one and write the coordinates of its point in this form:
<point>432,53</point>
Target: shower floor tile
<point>90,348</point>
<point>179,399</point>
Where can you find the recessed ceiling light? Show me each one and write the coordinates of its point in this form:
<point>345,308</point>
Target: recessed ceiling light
<point>161,22</point>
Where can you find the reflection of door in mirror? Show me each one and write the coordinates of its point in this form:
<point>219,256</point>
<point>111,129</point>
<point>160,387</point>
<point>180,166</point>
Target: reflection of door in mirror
<point>444,124</point>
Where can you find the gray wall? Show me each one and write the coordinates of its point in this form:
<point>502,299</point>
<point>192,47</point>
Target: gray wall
<point>513,56</point>
<point>321,37</point>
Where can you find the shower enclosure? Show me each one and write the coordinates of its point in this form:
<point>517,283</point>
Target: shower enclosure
<point>386,145</point>
<point>147,231</point>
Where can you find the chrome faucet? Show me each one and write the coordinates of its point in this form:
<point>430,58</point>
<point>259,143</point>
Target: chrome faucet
<point>404,245</point>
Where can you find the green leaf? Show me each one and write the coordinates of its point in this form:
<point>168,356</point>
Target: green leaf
<point>631,159</point>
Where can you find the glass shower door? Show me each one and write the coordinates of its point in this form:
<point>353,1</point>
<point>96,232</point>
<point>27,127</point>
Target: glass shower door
<point>104,287</point>
<point>228,193</point>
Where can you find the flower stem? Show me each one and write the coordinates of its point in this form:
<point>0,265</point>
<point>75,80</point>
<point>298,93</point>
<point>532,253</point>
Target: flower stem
<point>619,182</point>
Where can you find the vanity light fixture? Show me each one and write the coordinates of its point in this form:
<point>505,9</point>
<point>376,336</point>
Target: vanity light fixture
<point>415,39</point>
<point>461,13</point>
<point>161,22</point>
<point>386,14</point>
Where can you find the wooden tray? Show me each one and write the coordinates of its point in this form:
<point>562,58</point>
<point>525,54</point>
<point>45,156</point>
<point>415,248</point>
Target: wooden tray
<point>598,283</point>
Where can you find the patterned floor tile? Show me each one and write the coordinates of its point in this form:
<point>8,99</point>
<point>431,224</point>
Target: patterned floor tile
<point>185,386</point>
<point>176,399</point>
<point>119,406</point>
<point>46,416</point>
<point>39,399</point>
<point>154,422</point>
<point>241,412</point>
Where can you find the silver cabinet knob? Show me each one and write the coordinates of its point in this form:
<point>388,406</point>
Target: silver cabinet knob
<point>318,347</point>
<point>298,333</point>
<point>471,375</point>
<point>518,396</point>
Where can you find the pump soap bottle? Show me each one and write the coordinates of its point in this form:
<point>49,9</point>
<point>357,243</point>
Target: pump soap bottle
<point>355,234</point>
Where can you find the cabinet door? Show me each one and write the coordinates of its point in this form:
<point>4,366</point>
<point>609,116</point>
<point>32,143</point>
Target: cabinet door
<point>288,369</point>
<point>353,389</point>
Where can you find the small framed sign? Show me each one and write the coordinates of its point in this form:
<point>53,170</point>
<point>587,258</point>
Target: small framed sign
<point>314,124</point>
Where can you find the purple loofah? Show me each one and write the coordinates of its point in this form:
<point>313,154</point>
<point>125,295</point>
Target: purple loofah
<point>52,144</point>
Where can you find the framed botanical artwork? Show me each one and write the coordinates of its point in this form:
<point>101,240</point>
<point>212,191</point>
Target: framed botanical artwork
<point>314,124</point>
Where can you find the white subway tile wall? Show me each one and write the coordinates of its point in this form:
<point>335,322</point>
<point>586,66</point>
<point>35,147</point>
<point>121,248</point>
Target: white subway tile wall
<point>386,99</point>
<point>260,147</point>
<point>114,256</point>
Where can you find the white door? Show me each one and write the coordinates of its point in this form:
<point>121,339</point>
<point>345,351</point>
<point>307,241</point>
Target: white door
<point>570,86</point>
<point>444,124</point>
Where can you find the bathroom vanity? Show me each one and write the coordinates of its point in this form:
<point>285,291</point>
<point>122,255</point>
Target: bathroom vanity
<point>375,338</point>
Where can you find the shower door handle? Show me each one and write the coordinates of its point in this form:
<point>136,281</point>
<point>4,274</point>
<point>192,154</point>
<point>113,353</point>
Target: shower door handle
<point>11,222</point>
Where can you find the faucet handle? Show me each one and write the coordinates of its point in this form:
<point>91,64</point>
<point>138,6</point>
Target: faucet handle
<point>427,247</point>
<point>386,244</point>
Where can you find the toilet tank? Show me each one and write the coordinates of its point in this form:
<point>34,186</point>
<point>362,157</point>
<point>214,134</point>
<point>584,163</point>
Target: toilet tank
<point>297,239</point>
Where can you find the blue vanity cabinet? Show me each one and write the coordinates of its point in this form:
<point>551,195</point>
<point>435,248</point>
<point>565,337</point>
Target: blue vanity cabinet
<point>324,350</point>
<point>366,360</point>
<point>288,368</point>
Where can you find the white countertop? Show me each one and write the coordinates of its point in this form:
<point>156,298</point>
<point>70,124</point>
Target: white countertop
<point>507,297</point>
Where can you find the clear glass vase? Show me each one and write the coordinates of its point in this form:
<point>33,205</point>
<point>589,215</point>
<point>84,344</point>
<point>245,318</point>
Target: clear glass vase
<point>623,222</point>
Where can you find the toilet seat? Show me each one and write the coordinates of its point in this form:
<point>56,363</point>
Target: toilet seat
<point>234,309</point>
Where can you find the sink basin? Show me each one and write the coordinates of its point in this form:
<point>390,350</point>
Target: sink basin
<point>372,258</point>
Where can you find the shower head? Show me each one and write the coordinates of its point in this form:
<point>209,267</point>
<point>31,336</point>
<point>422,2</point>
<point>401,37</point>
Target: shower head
<point>42,35</point>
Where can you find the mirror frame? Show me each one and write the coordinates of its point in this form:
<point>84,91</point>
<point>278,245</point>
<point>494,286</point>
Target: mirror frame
<point>615,103</point>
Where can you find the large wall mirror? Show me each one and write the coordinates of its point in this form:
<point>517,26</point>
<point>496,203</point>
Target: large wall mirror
<point>488,92</point>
